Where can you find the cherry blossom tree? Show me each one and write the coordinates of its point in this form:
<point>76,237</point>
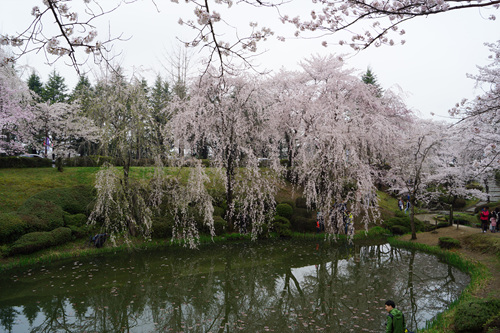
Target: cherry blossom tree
<point>338,134</point>
<point>75,30</point>
<point>368,22</point>
<point>414,161</point>
<point>486,106</point>
<point>230,117</point>
<point>460,162</point>
<point>15,109</point>
<point>64,125</point>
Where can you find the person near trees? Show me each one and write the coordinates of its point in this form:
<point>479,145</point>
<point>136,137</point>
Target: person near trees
<point>407,205</point>
<point>395,319</point>
<point>400,204</point>
<point>493,223</point>
<point>484,217</point>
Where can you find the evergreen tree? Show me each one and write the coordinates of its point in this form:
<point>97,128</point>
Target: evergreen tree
<point>35,84</point>
<point>54,90</point>
<point>370,78</point>
<point>159,98</point>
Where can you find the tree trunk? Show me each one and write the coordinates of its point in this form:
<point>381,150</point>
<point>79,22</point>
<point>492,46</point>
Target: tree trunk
<point>412,218</point>
<point>229,193</point>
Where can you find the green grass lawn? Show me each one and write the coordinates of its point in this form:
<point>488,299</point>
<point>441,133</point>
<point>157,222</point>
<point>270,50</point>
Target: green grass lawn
<point>17,185</point>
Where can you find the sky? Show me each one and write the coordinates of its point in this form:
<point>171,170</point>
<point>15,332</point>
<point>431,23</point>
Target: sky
<point>430,69</point>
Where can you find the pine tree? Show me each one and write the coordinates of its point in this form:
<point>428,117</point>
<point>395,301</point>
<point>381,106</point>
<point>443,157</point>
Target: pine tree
<point>35,84</point>
<point>54,90</point>
<point>370,78</point>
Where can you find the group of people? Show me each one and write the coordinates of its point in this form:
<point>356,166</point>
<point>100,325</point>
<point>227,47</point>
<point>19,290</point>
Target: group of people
<point>404,205</point>
<point>347,218</point>
<point>489,219</point>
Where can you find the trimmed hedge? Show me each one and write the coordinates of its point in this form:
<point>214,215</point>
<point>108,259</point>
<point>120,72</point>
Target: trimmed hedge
<point>11,227</point>
<point>76,220</point>
<point>449,243</point>
<point>74,200</point>
<point>35,241</point>
<point>220,225</point>
<point>24,162</point>
<point>281,225</point>
<point>41,215</point>
<point>472,316</point>
<point>303,224</point>
<point>285,210</point>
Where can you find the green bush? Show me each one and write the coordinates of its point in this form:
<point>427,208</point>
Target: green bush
<point>162,226</point>
<point>35,241</point>
<point>377,231</point>
<point>284,210</point>
<point>75,219</point>
<point>281,225</point>
<point>470,317</point>
<point>88,161</point>
<point>449,243</point>
<point>399,229</point>
<point>403,220</point>
<point>303,224</point>
<point>300,202</point>
<point>462,218</point>
<point>11,227</point>
<point>24,162</point>
<point>220,225</point>
<point>493,324</point>
<point>4,251</point>
<point>303,212</point>
<point>219,211</point>
<point>74,200</point>
<point>79,231</point>
<point>32,242</point>
<point>61,235</point>
<point>41,215</point>
<point>443,224</point>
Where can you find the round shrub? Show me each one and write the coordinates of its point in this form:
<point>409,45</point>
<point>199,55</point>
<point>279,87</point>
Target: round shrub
<point>448,243</point>
<point>377,231</point>
<point>220,225</point>
<point>301,202</point>
<point>399,230</point>
<point>79,231</point>
<point>41,215</point>
<point>443,224</point>
<point>162,226</point>
<point>73,200</point>
<point>11,227</point>
<point>161,230</point>
<point>75,219</point>
<point>281,225</point>
<point>303,224</point>
<point>302,212</point>
<point>472,316</point>
<point>219,211</point>
<point>285,210</point>
<point>31,242</point>
<point>61,235</point>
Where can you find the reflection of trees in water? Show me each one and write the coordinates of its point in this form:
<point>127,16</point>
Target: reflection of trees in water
<point>247,289</point>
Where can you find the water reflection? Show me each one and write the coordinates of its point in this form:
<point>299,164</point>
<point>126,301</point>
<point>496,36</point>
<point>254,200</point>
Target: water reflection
<point>282,286</point>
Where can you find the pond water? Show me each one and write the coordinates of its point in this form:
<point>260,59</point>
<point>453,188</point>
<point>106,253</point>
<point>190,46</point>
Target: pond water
<point>270,286</point>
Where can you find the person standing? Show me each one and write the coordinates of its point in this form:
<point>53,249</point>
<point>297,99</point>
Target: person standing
<point>493,223</point>
<point>395,319</point>
<point>400,204</point>
<point>484,217</point>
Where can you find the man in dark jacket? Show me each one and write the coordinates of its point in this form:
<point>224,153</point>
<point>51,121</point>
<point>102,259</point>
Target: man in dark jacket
<point>395,319</point>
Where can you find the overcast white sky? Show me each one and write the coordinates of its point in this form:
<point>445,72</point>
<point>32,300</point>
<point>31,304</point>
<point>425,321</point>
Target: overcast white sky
<point>430,68</point>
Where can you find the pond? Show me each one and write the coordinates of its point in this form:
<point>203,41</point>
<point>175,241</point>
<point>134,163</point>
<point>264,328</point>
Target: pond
<point>265,286</point>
